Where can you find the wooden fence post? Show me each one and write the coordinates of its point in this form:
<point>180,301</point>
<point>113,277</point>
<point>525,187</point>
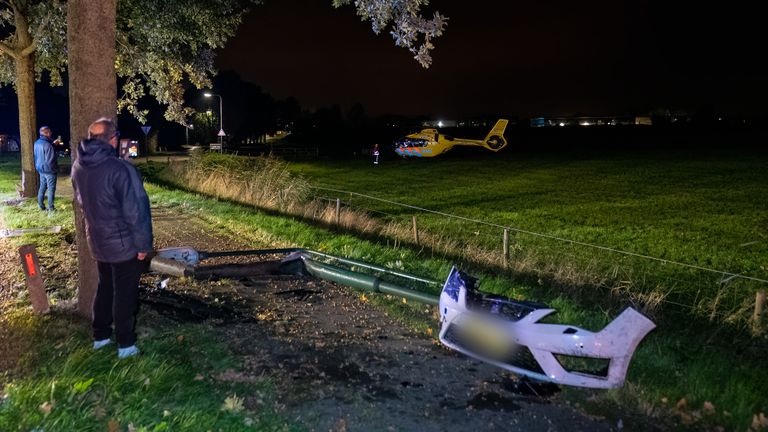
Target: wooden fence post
<point>34,279</point>
<point>338,210</point>
<point>506,247</point>
<point>415,231</point>
<point>759,307</point>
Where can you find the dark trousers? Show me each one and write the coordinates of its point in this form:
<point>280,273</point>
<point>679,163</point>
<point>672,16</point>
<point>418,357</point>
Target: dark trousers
<point>117,300</point>
<point>47,181</point>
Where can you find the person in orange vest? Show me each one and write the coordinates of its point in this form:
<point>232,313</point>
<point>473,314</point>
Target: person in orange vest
<point>375,154</point>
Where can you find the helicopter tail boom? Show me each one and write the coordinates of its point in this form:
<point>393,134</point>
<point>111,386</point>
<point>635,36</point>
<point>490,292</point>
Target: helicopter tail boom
<point>495,140</point>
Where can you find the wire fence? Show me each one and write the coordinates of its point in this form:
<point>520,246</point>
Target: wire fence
<point>649,281</point>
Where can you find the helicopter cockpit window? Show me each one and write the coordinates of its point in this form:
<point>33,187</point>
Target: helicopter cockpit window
<point>411,142</point>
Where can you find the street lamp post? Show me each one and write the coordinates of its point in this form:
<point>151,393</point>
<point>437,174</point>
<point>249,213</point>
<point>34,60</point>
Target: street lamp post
<point>187,127</point>
<point>221,115</point>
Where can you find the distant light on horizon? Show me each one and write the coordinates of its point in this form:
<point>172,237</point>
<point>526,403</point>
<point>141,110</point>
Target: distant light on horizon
<point>440,123</point>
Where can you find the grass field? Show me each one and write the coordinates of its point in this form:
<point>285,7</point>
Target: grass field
<point>697,209</point>
<point>703,208</point>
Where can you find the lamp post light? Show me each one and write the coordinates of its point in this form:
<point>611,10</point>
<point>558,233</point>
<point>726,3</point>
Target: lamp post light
<point>221,115</point>
<point>187,127</point>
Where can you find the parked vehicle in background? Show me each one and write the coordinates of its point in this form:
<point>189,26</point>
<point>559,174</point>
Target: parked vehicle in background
<point>62,149</point>
<point>8,143</point>
<point>129,148</point>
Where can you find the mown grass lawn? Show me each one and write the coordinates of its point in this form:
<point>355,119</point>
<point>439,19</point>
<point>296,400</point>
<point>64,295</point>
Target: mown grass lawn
<point>706,208</point>
<point>703,208</point>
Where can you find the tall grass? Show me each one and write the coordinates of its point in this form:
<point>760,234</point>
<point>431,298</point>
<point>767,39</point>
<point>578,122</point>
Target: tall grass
<point>262,182</point>
<point>267,183</point>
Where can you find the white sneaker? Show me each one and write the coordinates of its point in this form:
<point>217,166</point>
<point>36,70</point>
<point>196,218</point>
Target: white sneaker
<point>127,352</point>
<point>101,343</point>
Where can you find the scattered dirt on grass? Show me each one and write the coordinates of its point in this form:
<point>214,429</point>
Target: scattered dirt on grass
<point>341,363</point>
<point>10,272</point>
<point>58,268</point>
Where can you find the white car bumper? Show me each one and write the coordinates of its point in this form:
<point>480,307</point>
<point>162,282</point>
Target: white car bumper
<point>507,334</point>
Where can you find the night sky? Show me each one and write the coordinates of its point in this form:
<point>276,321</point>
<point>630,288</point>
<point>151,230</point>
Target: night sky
<point>514,58</point>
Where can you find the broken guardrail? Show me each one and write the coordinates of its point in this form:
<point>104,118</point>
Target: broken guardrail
<point>497,330</point>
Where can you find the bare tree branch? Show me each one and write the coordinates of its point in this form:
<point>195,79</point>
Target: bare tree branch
<point>13,5</point>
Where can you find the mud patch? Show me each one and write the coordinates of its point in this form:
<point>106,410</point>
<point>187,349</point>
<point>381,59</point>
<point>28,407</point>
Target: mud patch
<point>333,356</point>
<point>188,308</point>
<point>492,401</point>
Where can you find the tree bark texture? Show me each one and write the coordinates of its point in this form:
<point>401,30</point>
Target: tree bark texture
<point>92,94</point>
<point>25,90</point>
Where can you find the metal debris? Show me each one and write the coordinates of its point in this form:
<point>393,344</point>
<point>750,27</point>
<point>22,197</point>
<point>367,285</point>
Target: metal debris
<point>21,231</point>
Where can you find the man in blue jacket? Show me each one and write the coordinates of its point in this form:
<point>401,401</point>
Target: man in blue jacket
<point>47,166</point>
<point>119,230</point>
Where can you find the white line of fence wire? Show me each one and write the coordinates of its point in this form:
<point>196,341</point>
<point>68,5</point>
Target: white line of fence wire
<point>724,295</point>
<point>725,274</point>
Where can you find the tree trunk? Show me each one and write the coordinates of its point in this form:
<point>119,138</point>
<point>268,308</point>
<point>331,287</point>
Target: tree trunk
<point>92,94</point>
<point>25,90</point>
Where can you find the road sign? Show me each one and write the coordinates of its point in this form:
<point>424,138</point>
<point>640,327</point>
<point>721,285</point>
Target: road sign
<point>221,133</point>
<point>215,146</point>
<point>146,129</point>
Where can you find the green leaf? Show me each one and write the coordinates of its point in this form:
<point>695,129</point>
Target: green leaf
<point>82,386</point>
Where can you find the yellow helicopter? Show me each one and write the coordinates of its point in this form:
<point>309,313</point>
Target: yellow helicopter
<point>430,143</point>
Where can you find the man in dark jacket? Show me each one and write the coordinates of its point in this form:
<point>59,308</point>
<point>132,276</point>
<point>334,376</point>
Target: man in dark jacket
<point>119,229</point>
<point>47,166</point>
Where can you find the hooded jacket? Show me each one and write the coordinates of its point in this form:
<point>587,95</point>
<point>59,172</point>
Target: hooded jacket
<point>114,202</point>
<point>45,156</point>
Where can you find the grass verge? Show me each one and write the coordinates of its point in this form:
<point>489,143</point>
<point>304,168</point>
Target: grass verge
<point>63,384</point>
<point>52,379</point>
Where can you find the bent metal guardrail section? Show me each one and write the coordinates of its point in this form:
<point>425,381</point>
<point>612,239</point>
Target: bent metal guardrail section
<point>493,329</point>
